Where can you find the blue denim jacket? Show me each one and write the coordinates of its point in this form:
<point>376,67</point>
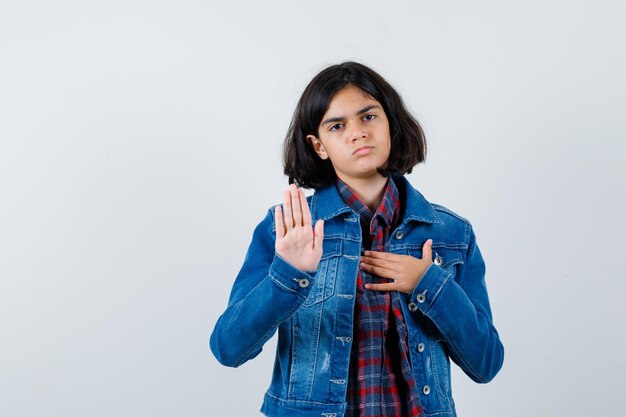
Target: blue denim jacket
<point>447,314</point>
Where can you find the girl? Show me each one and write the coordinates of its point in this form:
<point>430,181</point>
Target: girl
<point>371,287</point>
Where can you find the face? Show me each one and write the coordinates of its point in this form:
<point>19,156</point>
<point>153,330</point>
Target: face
<point>354,135</point>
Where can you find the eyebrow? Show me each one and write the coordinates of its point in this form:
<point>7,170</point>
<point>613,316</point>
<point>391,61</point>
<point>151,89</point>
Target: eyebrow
<point>363,110</point>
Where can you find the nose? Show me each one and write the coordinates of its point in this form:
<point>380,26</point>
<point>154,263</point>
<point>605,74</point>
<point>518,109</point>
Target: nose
<point>357,132</point>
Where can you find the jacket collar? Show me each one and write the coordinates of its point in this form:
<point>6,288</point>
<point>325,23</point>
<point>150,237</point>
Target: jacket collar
<point>326,203</point>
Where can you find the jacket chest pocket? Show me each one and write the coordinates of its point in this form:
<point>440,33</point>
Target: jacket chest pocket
<point>448,259</point>
<point>324,285</point>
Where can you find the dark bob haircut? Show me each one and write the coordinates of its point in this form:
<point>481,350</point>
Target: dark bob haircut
<point>304,167</point>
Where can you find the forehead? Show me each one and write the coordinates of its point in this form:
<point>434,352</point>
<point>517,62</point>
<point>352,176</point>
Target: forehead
<point>348,100</point>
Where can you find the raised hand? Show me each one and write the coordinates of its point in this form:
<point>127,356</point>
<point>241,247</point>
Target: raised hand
<point>405,270</point>
<point>296,241</point>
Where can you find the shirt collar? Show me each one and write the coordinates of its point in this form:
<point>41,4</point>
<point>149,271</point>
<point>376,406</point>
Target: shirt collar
<point>388,209</point>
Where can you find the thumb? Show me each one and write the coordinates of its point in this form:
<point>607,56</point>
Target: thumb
<point>319,234</point>
<point>427,251</point>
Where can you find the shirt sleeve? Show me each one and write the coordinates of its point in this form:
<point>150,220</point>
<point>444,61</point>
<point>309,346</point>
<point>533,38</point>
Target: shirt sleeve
<point>266,291</point>
<point>459,308</point>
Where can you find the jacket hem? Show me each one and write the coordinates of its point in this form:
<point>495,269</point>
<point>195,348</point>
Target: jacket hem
<point>274,406</point>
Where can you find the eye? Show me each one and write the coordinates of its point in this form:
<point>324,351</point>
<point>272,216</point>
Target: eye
<point>369,117</point>
<point>336,126</point>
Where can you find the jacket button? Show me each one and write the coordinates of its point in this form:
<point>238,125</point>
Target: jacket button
<point>303,282</point>
<point>438,260</point>
<point>421,297</point>
<point>412,307</point>
<point>426,390</point>
<point>420,347</point>
<point>399,234</point>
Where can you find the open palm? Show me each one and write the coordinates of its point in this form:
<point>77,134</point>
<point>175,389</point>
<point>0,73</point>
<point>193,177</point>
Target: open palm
<point>296,240</point>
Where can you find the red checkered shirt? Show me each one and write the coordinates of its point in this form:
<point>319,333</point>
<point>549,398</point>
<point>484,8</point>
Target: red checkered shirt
<point>380,382</point>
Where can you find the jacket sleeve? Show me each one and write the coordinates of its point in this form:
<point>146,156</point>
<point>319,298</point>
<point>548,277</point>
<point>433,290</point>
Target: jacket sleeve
<point>266,291</point>
<point>460,309</point>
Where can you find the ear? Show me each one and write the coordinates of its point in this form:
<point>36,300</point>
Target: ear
<point>317,145</point>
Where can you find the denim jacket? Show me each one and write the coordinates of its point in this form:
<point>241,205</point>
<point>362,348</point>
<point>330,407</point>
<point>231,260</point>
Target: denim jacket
<point>447,314</point>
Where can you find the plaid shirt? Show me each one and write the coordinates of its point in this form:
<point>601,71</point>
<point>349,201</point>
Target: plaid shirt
<point>380,382</point>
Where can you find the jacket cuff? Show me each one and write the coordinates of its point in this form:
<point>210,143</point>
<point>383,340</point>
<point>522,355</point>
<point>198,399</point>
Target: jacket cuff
<point>290,278</point>
<point>429,287</point>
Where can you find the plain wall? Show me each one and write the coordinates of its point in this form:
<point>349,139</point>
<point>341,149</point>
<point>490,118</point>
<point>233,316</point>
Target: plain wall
<point>140,143</point>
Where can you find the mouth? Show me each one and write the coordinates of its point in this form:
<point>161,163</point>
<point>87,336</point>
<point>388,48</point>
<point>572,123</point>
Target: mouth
<point>363,150</point>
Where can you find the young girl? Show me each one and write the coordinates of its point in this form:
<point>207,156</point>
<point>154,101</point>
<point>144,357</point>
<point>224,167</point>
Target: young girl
<point>371,287</point>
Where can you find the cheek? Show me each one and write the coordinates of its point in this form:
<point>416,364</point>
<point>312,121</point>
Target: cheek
<point>388,150</point>
<point>387,140</point>
<point>339,151</point>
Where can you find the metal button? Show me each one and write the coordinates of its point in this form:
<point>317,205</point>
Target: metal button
<point>421,297</point>
<point>438,260</point>
<point>412,307</point>
<point>303,282</point>
<point>420,347</point>
<point>399,234</point>
<point>426,390</point>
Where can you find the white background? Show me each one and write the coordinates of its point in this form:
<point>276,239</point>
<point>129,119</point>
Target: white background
<point>140,143</point>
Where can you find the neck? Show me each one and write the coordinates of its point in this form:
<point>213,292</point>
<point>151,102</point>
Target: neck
<point>369,190</point>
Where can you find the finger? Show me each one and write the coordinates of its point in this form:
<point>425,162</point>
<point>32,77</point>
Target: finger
<point>306,213</point>
<point>379,255</point>
<point>391,286</point>
<point>381,272</point>
<point>427,251</point>
<point>287,210</point>
<point>369,263</point>
<point>368,260</point>
<point>318,241</point>
<point>278,221</point>
<point>295,204</point>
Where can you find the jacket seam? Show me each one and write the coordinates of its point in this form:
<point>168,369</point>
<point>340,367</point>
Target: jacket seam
<point>282,400</point>
<point>445,209</point>
<point>281,285</point>
<point>443,284</point>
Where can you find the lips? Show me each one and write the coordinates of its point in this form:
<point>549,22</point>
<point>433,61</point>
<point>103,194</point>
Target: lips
<point>362,150</point>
